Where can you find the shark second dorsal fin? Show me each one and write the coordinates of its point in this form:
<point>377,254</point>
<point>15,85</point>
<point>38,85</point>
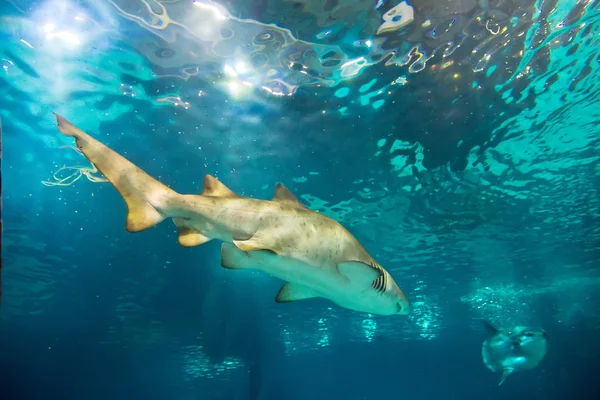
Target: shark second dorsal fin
<point>213,187</point>
<point>283,195</point>
<point>491,329</point>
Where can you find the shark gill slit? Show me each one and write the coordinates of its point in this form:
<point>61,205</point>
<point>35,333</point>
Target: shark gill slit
<point>379,284</point>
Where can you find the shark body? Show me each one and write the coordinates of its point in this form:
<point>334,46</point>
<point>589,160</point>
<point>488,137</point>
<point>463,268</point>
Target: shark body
<point>516,349</point>
<point>314,254</point>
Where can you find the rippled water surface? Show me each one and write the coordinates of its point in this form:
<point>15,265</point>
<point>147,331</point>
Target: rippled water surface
<point>457,140</point>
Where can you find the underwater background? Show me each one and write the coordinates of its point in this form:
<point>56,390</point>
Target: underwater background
<point>457,140</point>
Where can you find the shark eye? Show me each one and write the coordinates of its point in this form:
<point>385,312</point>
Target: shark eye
<point>529,334</point>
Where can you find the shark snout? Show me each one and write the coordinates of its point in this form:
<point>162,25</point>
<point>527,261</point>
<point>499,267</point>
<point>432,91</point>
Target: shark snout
<point>403,307</point>
<point>402,304</point>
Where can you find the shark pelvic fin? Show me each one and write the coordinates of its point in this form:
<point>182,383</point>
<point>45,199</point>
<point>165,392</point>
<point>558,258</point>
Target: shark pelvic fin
<point>290,292</point>
<point>283,195</point>
<point>505,373</point>
<point>188,236</point>
<point>359,272</point>
<point>491,329</point>
<point>215,188</point>
<point>254,244</point>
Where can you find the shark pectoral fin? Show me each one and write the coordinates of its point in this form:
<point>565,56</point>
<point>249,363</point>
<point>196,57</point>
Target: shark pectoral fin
<point>290,292</point>
<point>505,373</point>
<point>188,236</point>
<point>359,272</point>
<point>215,188</point>
<point>234,258</point>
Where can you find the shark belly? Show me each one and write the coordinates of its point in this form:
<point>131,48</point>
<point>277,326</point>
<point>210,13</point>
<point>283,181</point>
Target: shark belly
<point>296,249</point>
<point>323,279</point>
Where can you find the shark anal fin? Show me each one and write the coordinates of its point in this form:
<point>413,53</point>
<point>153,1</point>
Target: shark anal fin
<point>188,236</point>
<point>505,373</point>
<point>359,272</point>
<point>283,195</point>
<point>290,292</point>
<point>491,329</point>
<point>215,188</point>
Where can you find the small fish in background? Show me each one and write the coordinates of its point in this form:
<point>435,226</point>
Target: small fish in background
<point>516,349</point>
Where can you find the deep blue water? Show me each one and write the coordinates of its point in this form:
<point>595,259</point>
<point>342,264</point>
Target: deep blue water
<point>461,149</point>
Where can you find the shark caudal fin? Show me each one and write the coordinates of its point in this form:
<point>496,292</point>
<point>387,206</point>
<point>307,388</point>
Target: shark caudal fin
<point>147,199</point>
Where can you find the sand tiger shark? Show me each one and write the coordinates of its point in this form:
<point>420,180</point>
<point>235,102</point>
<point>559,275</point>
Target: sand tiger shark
<point>314,254</point>
<point>516,349</point>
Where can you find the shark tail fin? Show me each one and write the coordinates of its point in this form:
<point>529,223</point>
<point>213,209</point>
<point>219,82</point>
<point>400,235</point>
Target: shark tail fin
<point>505,373</point>
<point>147,199</point>
<point>491,329</point>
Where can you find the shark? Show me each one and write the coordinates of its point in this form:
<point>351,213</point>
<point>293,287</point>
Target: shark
<point>313,254</point>
<point>515,349</point>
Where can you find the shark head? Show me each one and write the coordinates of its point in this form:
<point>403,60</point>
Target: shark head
<point>389,299</point>
<point>371,289</point>
<point>398,298</point>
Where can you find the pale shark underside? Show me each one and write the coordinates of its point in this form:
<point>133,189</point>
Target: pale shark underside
<point>314,254</point>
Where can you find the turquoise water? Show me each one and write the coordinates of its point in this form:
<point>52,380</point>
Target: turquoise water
<point>458,143</point>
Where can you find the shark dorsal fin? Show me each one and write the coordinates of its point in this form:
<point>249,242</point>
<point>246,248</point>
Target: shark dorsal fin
<point>283,195</point>
<point>213,187</point>
<point>491,329</point>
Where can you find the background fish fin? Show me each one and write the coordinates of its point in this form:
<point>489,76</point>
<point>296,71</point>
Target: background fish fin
<point>505,373</point>
<point>188,236</point>
<point>491,329</point>
<point>293,292</point>
<point>215,188</point>
<point>359,272</point>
